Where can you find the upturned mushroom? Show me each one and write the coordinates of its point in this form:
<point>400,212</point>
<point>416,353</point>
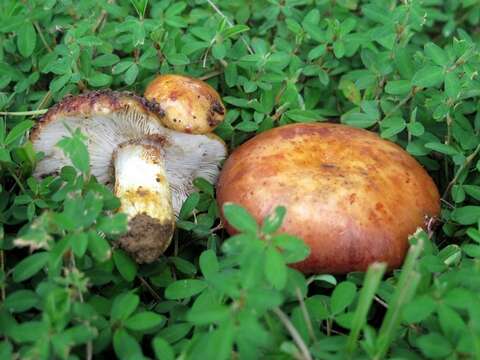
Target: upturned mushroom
<point>150,167</point>
<point>353,197</point>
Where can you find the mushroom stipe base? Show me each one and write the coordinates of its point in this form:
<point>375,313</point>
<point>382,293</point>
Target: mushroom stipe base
<point>142,239</point>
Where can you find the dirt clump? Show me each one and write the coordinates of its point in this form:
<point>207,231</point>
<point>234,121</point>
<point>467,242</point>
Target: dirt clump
<point>146,238</point>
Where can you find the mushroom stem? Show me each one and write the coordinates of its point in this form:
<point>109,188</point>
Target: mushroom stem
<point>142,186</point>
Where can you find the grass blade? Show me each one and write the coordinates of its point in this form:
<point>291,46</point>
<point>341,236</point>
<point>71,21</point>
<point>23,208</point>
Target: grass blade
<point>370,284</point>
<point>405,290</point>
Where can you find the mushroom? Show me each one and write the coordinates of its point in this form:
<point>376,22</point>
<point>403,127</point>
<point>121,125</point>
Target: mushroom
<point>189,105</point>
<point>150,167</point>
<point>353,197</point>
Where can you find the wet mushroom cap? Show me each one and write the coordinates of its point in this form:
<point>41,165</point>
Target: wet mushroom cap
<point>353,197</point>
<point>189,105</point>
<point>150,167</point>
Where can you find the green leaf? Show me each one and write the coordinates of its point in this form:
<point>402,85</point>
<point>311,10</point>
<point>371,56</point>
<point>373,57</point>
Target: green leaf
<point>58,83</point>
<point>162,349</point>
<point>436,54</point>
<point>29,331</point>
<point>140,7</point>
<point>452,85</point>
<point>21,300</point>
<point>398,87</point>
<point>451,322</point>
<point>275,269</point>
<point>131,74</point>
<point>105,60</point>
<point>29,266</point>
<point>441,148</point>
<point>123,306</point>
<point>273,222</point>
<point>419,309</point>
<point>183,265</point>
<point>208,313</point>
<point>144,321</point>
<point>434,345</point>
<point>416,128</point>
<point>18,131</point>
<point>234,30</point>
<point>75,148</point>
<point>99,247</point>
<point>5,155</point>
<point>113,225</point>
<point>317,52</point>
<point>6,350</point>
<point>392,126</point>
<point>175,332</point>
<point>126,346</point>
<point>98,79</point>
<point>293,249</point>
<point>466,215</point>
<point>125,265</point>
<point>208,263</point>
<point>26,39</point>
<point>182,289</point>
<point>428,76</point>
<point>342,296</point>
<point>189,205</point>
<point>122,67</point>
<point>239,218</point>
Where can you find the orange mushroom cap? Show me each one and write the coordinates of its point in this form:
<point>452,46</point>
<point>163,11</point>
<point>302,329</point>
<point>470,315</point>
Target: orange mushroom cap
<point>188,105</point>
<point>353,197</point>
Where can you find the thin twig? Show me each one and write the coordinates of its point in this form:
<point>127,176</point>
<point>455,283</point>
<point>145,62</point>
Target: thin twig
<point>305,314</point>
<point>24,113</point>
<point>210,75</point>
<point>467,163</point>
<point>219,12</point>
<point>381,302</point>
<point>42,37</point>
<point>293,333</point>
<point>89,345</point>
<point>45,100</point>
<point>2,267</point>
<point>400,104</point>
<point>149,288</point>
<point>17,180</point>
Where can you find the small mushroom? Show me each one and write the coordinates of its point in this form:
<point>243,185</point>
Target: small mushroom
<point>150,167</point>
<point>353,197</point>
<point>189,105</point>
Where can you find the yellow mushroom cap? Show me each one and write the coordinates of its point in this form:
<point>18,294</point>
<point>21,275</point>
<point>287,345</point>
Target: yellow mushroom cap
<point>186,104</point>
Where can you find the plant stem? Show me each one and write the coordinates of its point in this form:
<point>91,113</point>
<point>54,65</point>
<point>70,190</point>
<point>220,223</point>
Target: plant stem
<point>210,75</point>
<point>219,12</point>
<point>293,333</point>
<point>42,36</point>
<point>17,180</point>
<point>89,345</point>
<point>24,113</point>
<point>467,163</point>
<point>399,105</point>
<point>2,268</point>
<point>305,314</point>
<point>149,288</point>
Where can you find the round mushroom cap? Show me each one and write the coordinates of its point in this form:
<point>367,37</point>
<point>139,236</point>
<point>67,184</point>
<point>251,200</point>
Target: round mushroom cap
<point>353,197</point>
<point>109,119</point>
<point>188,105</point>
